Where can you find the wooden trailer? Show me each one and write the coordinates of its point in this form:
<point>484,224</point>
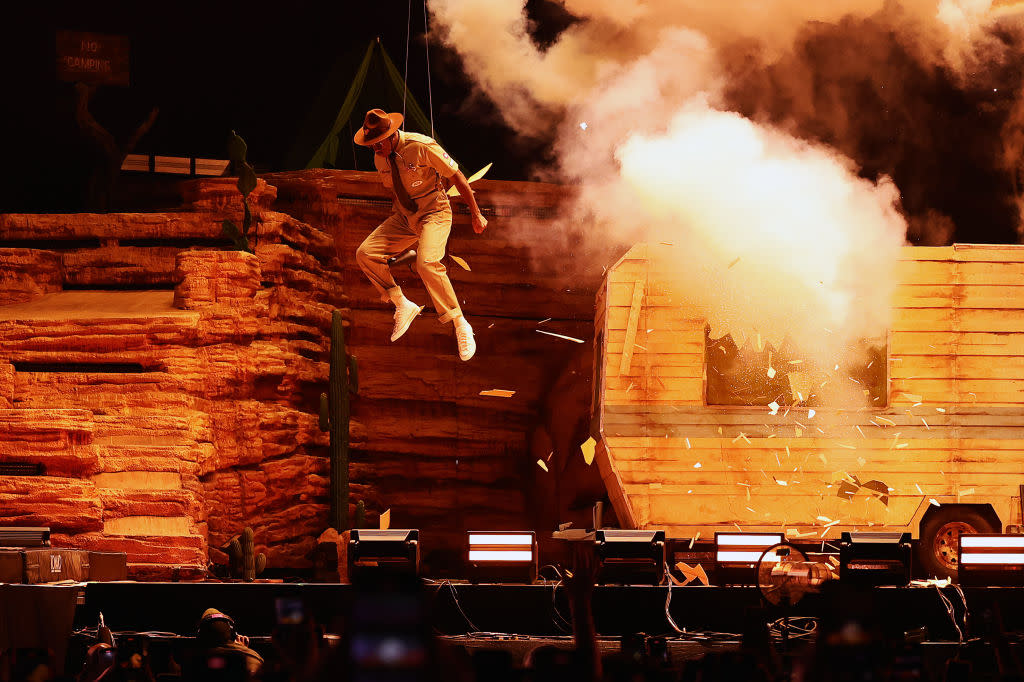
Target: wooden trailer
<point>938,451</point>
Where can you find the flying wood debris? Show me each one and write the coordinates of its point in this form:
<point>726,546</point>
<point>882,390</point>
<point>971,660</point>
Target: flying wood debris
<point>691,573</point>
<point>588,450</point>
<point>542,465</point>
<point>559,336</point>
<point>498,393</point>
<point>462,264</point>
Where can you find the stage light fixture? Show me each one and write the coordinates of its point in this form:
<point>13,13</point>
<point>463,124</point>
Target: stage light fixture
<point>498,556</point>
<point>874,558</point>
<point>393,551</point>
<point>991,559</point>
<point>737,554</point>
<point>630,557</point>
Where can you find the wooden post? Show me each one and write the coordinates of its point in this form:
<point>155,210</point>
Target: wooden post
<point>631,325</point>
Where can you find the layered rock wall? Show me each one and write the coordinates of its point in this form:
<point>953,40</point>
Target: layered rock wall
<point>426,444</point>
<point>161,393</point>
<point>158,393</point>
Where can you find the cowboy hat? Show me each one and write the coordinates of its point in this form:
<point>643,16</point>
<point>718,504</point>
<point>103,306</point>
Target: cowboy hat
<point>378,125</point>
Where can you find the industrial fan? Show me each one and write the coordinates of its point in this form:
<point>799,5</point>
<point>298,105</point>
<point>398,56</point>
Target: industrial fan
<point>784,575</point>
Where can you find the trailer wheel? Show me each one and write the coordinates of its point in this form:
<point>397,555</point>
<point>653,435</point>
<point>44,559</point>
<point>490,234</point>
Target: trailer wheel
<point>939,538</point>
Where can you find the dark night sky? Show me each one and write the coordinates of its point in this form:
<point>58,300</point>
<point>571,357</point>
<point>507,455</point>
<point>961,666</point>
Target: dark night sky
<point>212,67</point>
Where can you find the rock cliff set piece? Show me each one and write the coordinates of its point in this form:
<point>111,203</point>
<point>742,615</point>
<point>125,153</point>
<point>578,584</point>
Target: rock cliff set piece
<point>159,393</point>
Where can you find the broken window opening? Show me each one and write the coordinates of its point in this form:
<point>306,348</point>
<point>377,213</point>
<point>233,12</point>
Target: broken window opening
<point>758,374</point>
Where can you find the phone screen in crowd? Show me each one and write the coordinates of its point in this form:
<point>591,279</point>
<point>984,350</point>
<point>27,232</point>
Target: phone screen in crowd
<point>389,636</point>
<point>290,611</point>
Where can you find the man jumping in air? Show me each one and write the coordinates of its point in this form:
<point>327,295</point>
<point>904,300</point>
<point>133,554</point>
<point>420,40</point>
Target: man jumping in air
<point>412,167</point>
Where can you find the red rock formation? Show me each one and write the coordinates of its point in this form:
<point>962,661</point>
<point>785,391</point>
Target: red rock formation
<point>166,421</point>
<point>169,418</point>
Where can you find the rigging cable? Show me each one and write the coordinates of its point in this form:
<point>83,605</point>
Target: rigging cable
<point>426,45</point>
<point>405,76</point>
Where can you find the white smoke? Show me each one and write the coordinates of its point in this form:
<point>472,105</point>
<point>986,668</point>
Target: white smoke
<point>657,158</point>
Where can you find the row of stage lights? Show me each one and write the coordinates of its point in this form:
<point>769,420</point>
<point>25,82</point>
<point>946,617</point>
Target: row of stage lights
<point>639,556</point>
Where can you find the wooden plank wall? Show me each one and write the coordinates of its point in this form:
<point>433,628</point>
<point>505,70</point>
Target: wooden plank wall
<point>953,429</point>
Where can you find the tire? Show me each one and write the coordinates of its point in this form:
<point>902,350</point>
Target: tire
<point>937,550</point>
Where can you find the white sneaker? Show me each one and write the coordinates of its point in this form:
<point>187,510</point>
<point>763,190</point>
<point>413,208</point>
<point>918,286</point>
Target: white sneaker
<point>464,336</point>
<point>405,313</point>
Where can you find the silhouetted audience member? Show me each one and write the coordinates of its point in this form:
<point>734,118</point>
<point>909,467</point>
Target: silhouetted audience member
<point>221,653</point>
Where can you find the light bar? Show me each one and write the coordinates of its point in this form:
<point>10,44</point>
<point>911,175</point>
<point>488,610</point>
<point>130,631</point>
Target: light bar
<point>502,557</point>
<point>500,539</point>
<point>748,539</point>
<point>737,554</point>
<point>992,541</point>
<point>744,548</point>
<point>991,559</point>
<point>745,557</point>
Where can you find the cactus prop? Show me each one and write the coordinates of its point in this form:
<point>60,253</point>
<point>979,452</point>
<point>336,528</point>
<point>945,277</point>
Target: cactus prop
<point>246,184</point>
<point>244,563</point>
<point>360,514</point>
<point>334,417</point>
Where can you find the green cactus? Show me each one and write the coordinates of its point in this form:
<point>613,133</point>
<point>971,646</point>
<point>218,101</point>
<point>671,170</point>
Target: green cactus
<point>246,184</point>
<point>243,562</point>
<point>261,563</point>
<point>334,417</point>
<point>235,557</point>
<point>248,558</point>
<point>360,514</point>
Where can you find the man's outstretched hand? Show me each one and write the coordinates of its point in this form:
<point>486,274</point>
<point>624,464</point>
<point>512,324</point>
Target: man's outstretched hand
<point>479,223</point>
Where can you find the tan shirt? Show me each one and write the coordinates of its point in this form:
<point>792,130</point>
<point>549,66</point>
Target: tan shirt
<point>422,164</point>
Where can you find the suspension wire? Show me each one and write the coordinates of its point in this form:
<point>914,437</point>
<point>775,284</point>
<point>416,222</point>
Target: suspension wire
<point>405,76</point>
<point>430,92</point>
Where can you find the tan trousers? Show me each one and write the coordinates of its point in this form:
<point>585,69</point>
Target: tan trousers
<point>430,226</point>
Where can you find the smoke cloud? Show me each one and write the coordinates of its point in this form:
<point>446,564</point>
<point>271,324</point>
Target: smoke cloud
<point>800,138</point>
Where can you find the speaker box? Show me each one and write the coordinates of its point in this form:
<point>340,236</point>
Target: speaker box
<point>50,565</point>
<point>11,566</point>
<point>107,566</point>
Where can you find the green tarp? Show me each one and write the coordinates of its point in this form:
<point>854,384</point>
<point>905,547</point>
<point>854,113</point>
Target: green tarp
<point>377,84</point>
